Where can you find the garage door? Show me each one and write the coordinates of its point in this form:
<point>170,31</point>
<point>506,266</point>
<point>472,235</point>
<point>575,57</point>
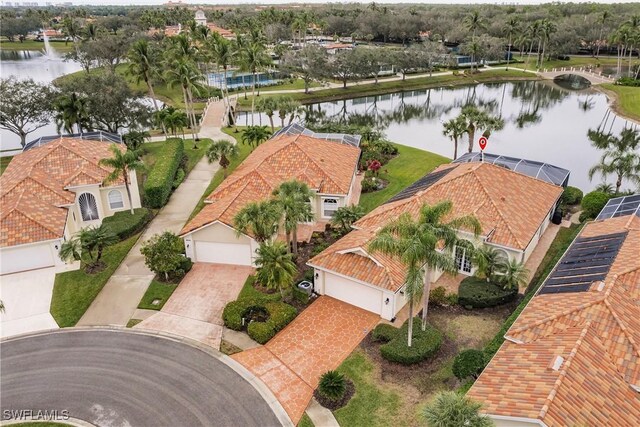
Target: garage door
<point>223,253</point>
<point>26,258</point>
<point>353,293</point>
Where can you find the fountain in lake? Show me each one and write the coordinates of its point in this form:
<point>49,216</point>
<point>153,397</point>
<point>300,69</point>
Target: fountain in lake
<point>49,52</point>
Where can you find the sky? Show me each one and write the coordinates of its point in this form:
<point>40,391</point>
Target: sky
<point>235,2</point>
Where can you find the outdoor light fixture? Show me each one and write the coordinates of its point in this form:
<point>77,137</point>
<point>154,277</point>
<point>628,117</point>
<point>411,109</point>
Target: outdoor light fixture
<point>386,301</point>
<point>317,275</point>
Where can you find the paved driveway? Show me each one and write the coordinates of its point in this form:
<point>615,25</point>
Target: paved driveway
<point>27,299</point>
<point>315,342</point>
<point>195,308</point>
<point>120,378</point>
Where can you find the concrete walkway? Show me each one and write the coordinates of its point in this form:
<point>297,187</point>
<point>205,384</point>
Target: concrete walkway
<point>119,298</point>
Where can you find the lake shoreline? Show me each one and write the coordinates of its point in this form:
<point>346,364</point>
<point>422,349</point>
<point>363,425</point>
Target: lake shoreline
<point>614,103</point>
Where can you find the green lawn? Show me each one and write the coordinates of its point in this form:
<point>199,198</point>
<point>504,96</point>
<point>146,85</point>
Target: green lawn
<point>133,322</point>
<point>244,149</point>
<point>4,162</point>
<point>403,170</point>
<point>626,99</point>
<point>157,290</point>
<point>574,61</point>
<point>74,291</point>
<point>296,84</point>
<point>35,45</point>
<point>249,292</point>
<point>305,421</point>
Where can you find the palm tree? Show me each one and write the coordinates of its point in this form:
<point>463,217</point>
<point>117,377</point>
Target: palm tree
<point>605,188</point>
<point>511,28</point>
<point>268,105</point>
<point>122,162</point>
<point>70,110</point>
<point>255,135</point>
<point>473,21</point>
<point>451,409</point>
<point>547,28</point>
<point>260,219</point>
<point>287,106</point>
<point>603,20</point>
<point>134,139</point>
<point>454,129</point>
<point>513,274</point>
<point>275,266</point>
<point>88,240</point>
<point>477,119</point>
<point>222,151</point>
<point>424,244</point>
<point>185,74</point>
<point>487,260</point>
<point>223,54</point>
<point>142,62</point>
<point>294,199</point>
<point>90,32</point>
<point>253,58</point>
<point>345,216</point>
<point>620,158</point>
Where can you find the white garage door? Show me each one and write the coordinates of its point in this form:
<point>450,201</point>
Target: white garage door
<point>353,293</point>
<point>223,253</point>
<point>13,260</point>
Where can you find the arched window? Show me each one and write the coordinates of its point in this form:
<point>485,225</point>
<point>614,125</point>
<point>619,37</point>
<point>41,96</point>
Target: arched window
<point>88,207</point>
<point>115,200</point>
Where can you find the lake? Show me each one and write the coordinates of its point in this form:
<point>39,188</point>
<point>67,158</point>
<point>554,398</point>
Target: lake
<point>543,121</point>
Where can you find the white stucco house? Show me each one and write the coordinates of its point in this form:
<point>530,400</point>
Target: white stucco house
<point>514,210</point>
<point>327,163</point>
<point>50,191</point>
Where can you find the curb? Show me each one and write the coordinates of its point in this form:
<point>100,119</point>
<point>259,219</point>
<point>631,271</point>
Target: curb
<point>75,422</point>
<point>255,382</point>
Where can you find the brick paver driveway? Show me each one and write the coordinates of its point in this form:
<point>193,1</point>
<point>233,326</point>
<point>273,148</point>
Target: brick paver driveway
<point>315,342</point>
<point>195,308</point>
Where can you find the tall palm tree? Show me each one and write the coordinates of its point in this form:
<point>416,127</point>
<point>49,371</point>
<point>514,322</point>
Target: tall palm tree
<point>275,266</point>
<point>533,34</point>
<point>511,29</point>
<point>260,219</point>
<point>294,199</point>
<point>70,110</point>
<point>621,156</point>
<point>287,106</point>
<point>424,245</point>
<point>268,105</point>
<point>222,151</point>
<point>122,162</point>
<point>455,129</point>
<point>142,64</point>
<point>477,119</point>
<point>452,409</point>
<point>253,58</point>
<point>255,135</point>
<point>602,21</point>
<point>223,54</point>
<point>474,22</point>
<point>547,28</point>
<point>185,74</point>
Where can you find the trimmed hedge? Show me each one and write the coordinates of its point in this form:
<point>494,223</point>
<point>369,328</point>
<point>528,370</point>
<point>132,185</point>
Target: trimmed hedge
<point>423,345</point>
<point>592,203</point>
<point>125,225</point>
<point>477,293</point>
<point>159,183</point>
<point>280,314</point>
<point>468,363</point>
<point>384,332</point>
<point>571,196</point>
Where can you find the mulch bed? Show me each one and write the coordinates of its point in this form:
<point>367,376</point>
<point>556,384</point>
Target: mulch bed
<point>336,404</point>
<point>95,267</point>
<point>305,249</point>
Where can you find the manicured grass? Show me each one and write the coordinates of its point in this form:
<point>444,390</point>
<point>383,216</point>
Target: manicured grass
<point>133,322</point>
<point>4,162</point>
<point>249,292</point>
<point>626,99</point>
<point>371,405</point>
<point>574,61</point>
<point>408,166</point>
<point>244,151</point>
<point>296,84</point>
<point>35,45</point>
<point>74,291</point>
<point>305,421</point>
<point>157,290</point>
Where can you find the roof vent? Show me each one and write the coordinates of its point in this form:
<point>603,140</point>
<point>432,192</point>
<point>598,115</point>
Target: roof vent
<point>557,363</point>
<point>599,285</point>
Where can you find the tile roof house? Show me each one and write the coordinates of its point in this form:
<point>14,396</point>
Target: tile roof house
<point>573,355</point>
<point>327,166</point>
<point>513,209</point>
<point>51,191</point>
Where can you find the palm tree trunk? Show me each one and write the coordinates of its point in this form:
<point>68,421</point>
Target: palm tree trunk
<point>253,96</point>
<point>125,175</point>
<point>186,105</point>
<point>598,44</point>
<point>455,148</point>
<point>508,53</point>
<point>294,236</point>
<point>410,325</point>
<point>427,289</point>
<point>193,116</point>
<point>472,136</point>
<point>273,129</point>
<point>155,104</point>
<point>618,184</point>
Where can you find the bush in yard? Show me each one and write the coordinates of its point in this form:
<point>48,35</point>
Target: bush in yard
<point>179,178</point>
<point>452,299</point>
<point>451,409</point>
<point>279,316</point>
<point>438,296</point>
<point>477,293</point>
<point>385,147</point>
<point>125,225</point>
<point>163,254</point>
<point>424,344</point>
<point>384,332</point>
<point>369,185</point>
<point>571,196</point>
<point>468,363</point>
<point>332,385</point>
<point>592,203</point>
<point>159,183</point>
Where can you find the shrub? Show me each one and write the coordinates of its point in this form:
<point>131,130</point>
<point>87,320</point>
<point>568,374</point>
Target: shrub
<point>319,247</point>
<point>125,225</point>
<point>477,293</point>
<point>279,316</point>
<point>332,385</point>
<point>424,344</point>
<point>628,81</point>
<point>452,299</point>
<point>592,203</point>
<point>369,185</point>
<point>571,196</point>
<point>468,363</point>
<point>384,332</point>
<point>385,147</point>
<point>159,183</point>
<point>163,254</point>
<point>438,296</point>
<point>179,178</point>
<point>183,268</point>
<point>309,275</point>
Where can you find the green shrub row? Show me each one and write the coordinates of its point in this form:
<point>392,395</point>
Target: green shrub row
<point>384,332</point>
<point>478,293</point>
<point>279,316</point>
<point>159,183</point>
<point>468,363</point>
<point>125,225</point>
<point>423,345</point>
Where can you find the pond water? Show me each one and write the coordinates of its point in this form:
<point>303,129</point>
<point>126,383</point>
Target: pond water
<point>543,121</point>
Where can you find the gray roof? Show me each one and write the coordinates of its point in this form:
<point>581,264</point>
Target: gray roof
<point>94,136</point>
<point>298,129</point>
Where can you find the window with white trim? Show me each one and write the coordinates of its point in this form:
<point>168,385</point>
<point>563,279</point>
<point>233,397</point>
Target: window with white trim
<point>88,207</point>
<point>463,259</point>
<point>115,199</point>
<point>329,207</point>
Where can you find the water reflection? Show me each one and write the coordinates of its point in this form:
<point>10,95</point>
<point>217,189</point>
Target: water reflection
<point>572,82</point>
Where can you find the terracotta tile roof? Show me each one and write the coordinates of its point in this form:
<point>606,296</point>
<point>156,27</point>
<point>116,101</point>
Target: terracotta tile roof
<point>325,166</point>
<point>509,205</point>
<point>33,188</point>
<point>597,335</point>
<point>222,31</point>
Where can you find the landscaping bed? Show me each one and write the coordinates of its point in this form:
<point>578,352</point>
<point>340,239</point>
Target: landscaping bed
<point>478,293</point>
<point>261,319</point>
<point>336,404</point>
<point>319,242</point>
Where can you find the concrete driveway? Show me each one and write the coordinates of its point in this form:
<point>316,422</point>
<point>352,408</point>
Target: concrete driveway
<point>27,299</point>
<point>195,308</point>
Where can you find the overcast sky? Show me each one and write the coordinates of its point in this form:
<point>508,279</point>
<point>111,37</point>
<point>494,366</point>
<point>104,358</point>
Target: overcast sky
<point>234,2</point>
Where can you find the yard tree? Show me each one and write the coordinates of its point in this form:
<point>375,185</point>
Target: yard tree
<point>13,28</point>
<point>222,151</point>
<point>513,274</point>
<point>346,216</point>
<point>71,110</point>
<point>406,60</point>
<point>268,105</point>
<point>488,261</point>
<point>455,129</point>
<point>122,162</point>
<point>346,65</point>
<point>255,135</point>
<point>620,158</point>
<point>287,106</point>
<point>143,65</point>
<point>88,240</point>
<point>253,58</point>
<point>275,266</point>
<point>294,199</point>
<point>452,409</point>
<point>259,219</point>
<point>310,63</point>
<point>25,106</point>
<point>163,253</point>
<point>479,119</point>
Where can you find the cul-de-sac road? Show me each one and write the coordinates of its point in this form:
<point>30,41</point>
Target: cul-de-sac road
<point>119,378</point>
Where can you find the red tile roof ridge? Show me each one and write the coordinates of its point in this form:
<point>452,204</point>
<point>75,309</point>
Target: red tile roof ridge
<point>623,327</point>
<point>563,372</point>
<point>14,206</point>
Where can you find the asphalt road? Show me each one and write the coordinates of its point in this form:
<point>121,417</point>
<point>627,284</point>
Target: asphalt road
<point>118,378</point>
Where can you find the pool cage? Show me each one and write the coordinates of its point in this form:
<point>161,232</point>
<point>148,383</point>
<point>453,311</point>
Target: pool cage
<point>93,136</point>
<point>299,129</point>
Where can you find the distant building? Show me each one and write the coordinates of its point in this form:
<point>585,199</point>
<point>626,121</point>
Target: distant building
<point>200,18</point>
